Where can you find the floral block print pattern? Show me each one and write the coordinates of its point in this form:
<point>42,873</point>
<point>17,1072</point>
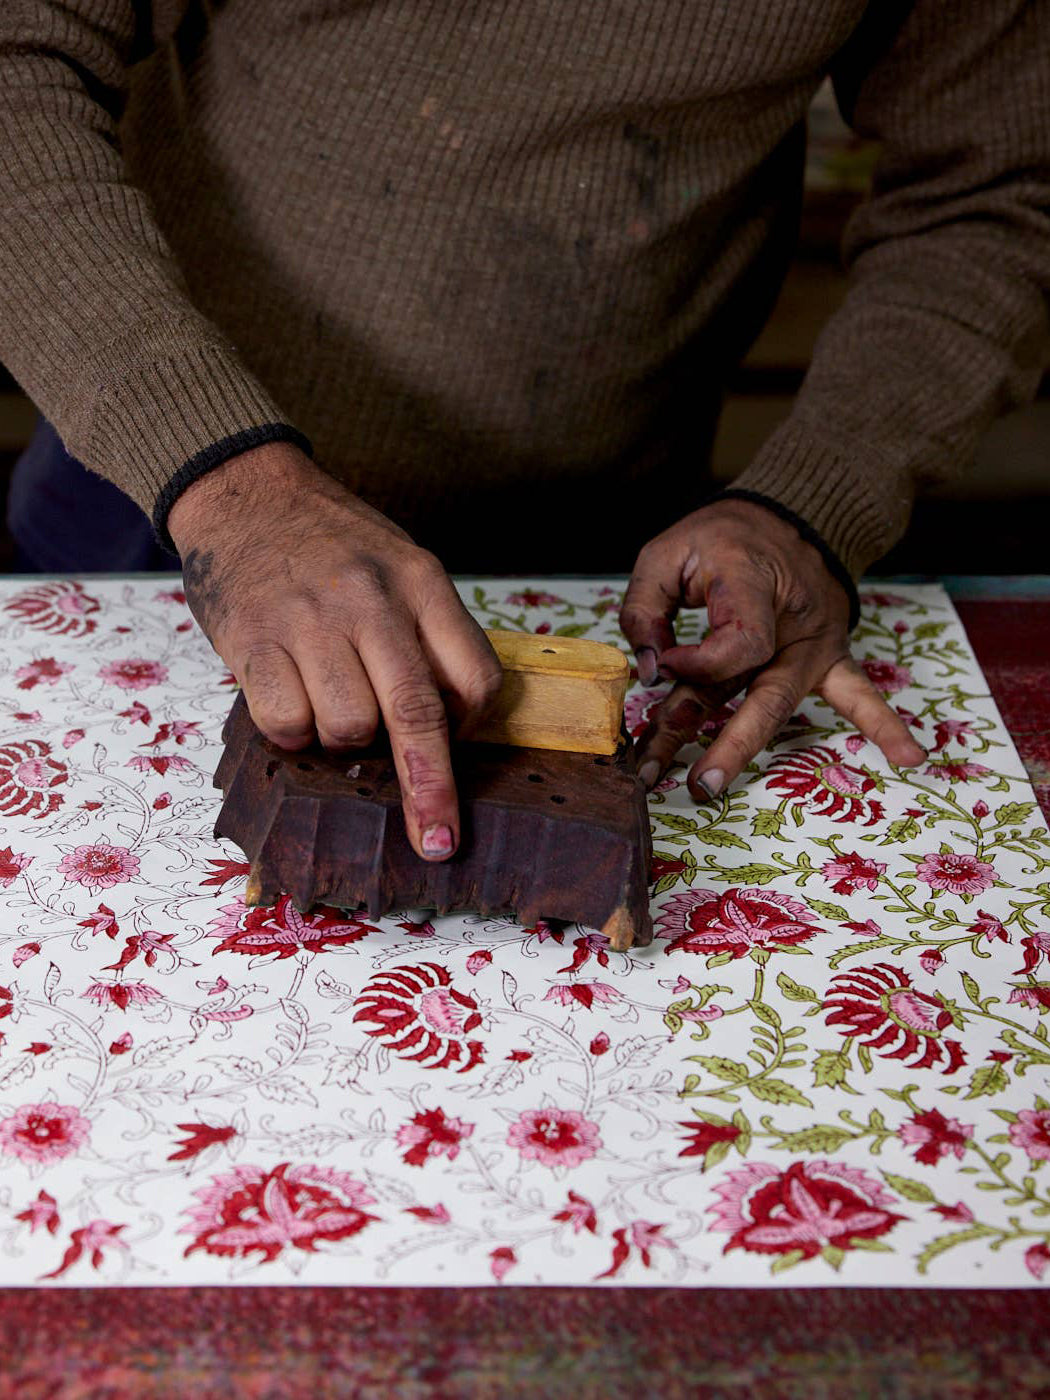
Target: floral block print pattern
<point>830,1068</point>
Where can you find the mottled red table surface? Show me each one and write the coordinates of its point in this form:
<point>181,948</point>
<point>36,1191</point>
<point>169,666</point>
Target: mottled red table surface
<point>821,1344</point>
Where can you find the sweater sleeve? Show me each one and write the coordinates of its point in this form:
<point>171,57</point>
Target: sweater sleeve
<point>95,319</point>
<point>945,324</point>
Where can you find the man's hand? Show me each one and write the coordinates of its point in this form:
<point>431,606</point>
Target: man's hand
<point>329,616</point>
<point>779,626</point>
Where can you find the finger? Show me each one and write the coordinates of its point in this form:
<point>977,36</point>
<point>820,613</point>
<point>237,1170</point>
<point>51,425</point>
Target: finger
<point>674,724</point>
<point>849,691</point>
<point>742,636</point>
<point>415,717</point>
<point>649,608</point>
<point>461,658</point>
<point>345,710</point>
<point>770,702</point>
<point>277,699</point>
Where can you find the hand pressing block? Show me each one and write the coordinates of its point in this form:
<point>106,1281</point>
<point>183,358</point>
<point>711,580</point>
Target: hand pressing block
<point>554,822</point>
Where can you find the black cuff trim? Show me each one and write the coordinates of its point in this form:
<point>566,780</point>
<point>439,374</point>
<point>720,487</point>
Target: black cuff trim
<point>201,463</point>
<point>834,564</point>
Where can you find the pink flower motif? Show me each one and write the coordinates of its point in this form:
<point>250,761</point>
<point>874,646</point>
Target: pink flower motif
<point>734,921</point>
<point>947,729</point>
<point>251,1210</point>
<point>955,873</point>
<point>585,994</point>
<point>935,1136</point>
<point>160,763</point>
<point>92,1239</point>
<point>62,608</point>
<point>579,1213</point>
<point>502,1260</point>
<point>482,958</point>
<point>11,866</point>
<point>555,1137</point>
<point>852,871</point>
<point>24,953</point>
<point>44,1132</point>
<point>881,1004</point>
<point>809,1207</point>
<point>430,1134</point>
<point>1036,946</point>
<point>102,921</point>
<point>420,1016</point>
<point>855,743</point>
<point>1039,995</point>
<point>41,1214</point>
<point>1036,1258</point>
<point>958,1214</point>
<point>1031,1133</point>
<point>930,959</point>
<point>981,810</point>
<point>122,994</point>
<point>887,676</point>
<point>638,709</point>
<point>818,778</point>
<point>134,673</point>
<point>955,770</point>
<point>599,1044</point>
<point>45,671</point>
<point>991,927</point>
<point>72,736</point>
<point>99,866</point>
<point>282,930</point>
<point>28,777</point>
<point>531,598</point>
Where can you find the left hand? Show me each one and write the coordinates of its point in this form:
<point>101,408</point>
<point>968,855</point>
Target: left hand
<point>779,627</point>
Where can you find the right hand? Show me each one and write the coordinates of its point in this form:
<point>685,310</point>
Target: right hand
<point>330,617</point>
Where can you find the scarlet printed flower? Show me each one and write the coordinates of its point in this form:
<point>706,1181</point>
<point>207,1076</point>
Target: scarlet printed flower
<point>420,1016</point>
<point>152,944</point>
<point>161,801</point>
<point>851,871</point>
<point>990,926</point>
<point>881,1004</point>
<point>955,770</point>
<point>555,1137</point>
<point>981,810</point>
<point>960,1213</point>
<point>600,1044</point>
<point>586,946</point>
<point>734,921</point>
<point>102,921</point>
<point>955,873</point>
<point>134,673</point>
<point>122,1044</point>
<point>502,1260</point>
<point>222,871</point>
<point>43,1132</point>
<point>806,1209</point>
<point>122,994</point>
<point>887,676</point>
<point>883,600</point>
<point>42,1212</point>
<point>280,929</point>
<point>638,710</point>
<point>935,1136</point>
<point>1036,946</point>
<point>11,866</point>
<point>62,608</point>
<point>666,865</point>
<point>44,671</point>
<point>579,1213</point>
<point>137,713</point>
<point>820,779</point>
<point>481,959</point>
<point>947,729</point>
<point>641,1235</point>
<point>1031,1133</point>
<point>705,1135</point>
<point>930,959</point>
<point>433,1215</point>
<point>1024,995</point>
<point>252,1210</point>
<point>430,1134</point>
<point>1036,1258</point>
<point>160,763</point>
<point>28,778</point>
<point>99,866</point>
<point>530,598</point>
<point>585,994</point>
<point>92,1239</point>
<point>199,1137</point>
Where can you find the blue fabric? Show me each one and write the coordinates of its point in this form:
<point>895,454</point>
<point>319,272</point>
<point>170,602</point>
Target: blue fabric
<point>64,519</point>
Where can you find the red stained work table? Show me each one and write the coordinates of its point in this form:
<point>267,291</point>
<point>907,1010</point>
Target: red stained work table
<point>403,1343</point>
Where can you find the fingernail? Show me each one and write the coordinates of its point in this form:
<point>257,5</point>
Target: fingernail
<point>646,658</point>
<point>649,772</point>
<point>712,782</point>
<point>437,841</point>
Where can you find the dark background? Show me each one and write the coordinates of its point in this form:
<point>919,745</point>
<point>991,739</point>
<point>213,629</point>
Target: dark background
<point>994,517</point>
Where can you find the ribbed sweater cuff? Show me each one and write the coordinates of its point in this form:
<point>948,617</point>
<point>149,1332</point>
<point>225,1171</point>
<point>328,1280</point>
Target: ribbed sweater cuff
<point>165,423</point>
<point>843,493</point>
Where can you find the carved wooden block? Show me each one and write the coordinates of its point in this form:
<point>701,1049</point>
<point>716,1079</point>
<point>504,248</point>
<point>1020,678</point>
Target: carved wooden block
<point>544,834</point>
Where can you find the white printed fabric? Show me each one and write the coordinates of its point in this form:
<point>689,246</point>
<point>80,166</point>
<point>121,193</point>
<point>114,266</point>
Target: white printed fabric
<point>830,1067</point>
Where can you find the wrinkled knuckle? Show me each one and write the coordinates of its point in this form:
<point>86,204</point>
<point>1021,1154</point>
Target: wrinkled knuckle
<point>481,688</point>
<point>776,703</point>
<point>349,732</point>
<point>416,708</point>
<point>283,725</point>
<point>427,567</point>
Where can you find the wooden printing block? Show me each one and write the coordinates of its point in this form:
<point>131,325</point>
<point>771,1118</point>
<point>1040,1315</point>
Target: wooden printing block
<point>544,834</point>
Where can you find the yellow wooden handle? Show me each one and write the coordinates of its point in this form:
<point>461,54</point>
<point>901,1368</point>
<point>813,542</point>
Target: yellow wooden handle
<point>558,693</point>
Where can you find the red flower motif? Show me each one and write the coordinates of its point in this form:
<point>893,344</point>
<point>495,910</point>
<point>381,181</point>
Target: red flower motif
<point>430,1134</point>
<point>1036,946</point>
<point>705,1135</point>
<point>420,1016</point>
<point>956,874</point>
<point>992,928</point>
<point>45,671</point>
<point>641,1235</point>
<point>134,673</point>
<point>579,1213</point>
<point>225,870</point>
<point>960,1213</point>
<point>160,763</point>
<point>122,994</point>
<point>1036,1259</point>
<point>935,1136</point>
<point>28,778</point>
<point>947,729</point>
<point>600,1044</point>
<point>585,994</point>
<point>11,866</point>
<point>92,1240</point>
<point>883,600</point>
<point>502,1260</point>
<point>531,598</point>
<point>809,1207</point>
<point>99,866</point>
<point>137,713</point>
<point>42,1212</point>
<point>887,676</point>
<point>433,1215</point>
<point>881,1004</point>
<point>481,959</point>
<point>666,865</point>
<point>820,779</point>
<point>102,921</point>
<point>735,921</point>
<point>44,1132</point>
<point>251,1210</point>
<point>556,1137</point>
<point>61,608</point>
<point>955,770</point>
<point>282,930</point>
<point>586,946</point>
<point>1023,994</point>
<point>851,871</point>
<point>1031,1133</point>
<point>199,1137</point>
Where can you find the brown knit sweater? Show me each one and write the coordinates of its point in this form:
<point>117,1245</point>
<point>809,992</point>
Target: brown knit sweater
<point>494,259</point>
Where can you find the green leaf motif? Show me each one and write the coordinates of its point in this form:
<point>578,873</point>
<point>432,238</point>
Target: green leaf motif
<point>971,989</point>
<point>787,1261</point>
<point>752,874</point>
<point>765,1013</point>
<point>1013,812</point>
<point>718,1065</point>
<point>988,1079</point>
<point>795,991</point>
<point>925,630</point>
<point>821,1137</point>
<point>573,629</point>
<point>715,836</point>
<point>943,1243</point>
<point>676,822</point>
<point>767,821</point>
<point>778,1091</point>
<point>903,829</point>
<point>829,911</point>
<point>909,1188</point>
<point>829,1069</point>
